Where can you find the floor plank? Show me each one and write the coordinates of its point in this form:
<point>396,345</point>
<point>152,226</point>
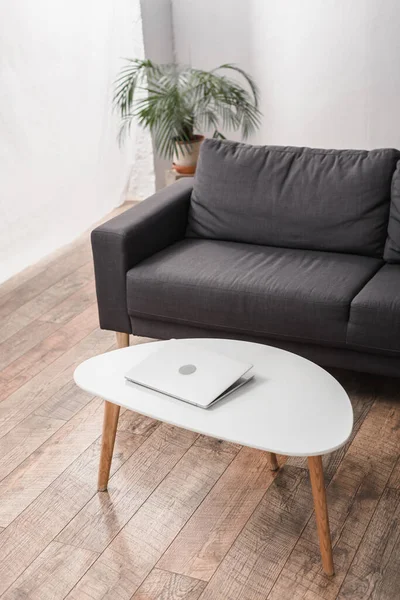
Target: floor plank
<point>47,351</point>
<point>394,481</point>
<point>353,496</point>
<point>130,557</point>
<point>53,574</point>
<point>24,340</point>
<point>32,334</point>
<point>103,517</point>
<point>259,553</point>
<point>37,526</point>
<point>24,439</point>
<point>135,423</point>
<point>201,545</point>
<point>42,467</point>
<point>57,270</point>
<point>46,462</point>
<point>44,302</point>
<point>35,392</point>
<point>161,585</point>
<point>65,403</point>
<point>74,305</point>
<point>375,570</point>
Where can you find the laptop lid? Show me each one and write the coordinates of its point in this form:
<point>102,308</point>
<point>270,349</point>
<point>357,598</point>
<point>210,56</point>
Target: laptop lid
<point>187,372</point>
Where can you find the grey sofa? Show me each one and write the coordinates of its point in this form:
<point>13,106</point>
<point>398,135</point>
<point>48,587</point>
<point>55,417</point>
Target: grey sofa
<point>294,247</point>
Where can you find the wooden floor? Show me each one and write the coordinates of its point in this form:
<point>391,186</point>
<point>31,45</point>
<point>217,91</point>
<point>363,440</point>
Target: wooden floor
<point>186,516</point>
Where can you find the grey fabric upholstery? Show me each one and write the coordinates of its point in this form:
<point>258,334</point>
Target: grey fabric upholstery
<point>332,200</point>
<point>392,247</point>
<point>127,239</point>
<point>374,321</point>
<point>259,290</point>
<point>277,245</point>
<point>327,356</point>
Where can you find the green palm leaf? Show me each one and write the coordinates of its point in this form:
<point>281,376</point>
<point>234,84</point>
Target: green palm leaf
<point>175,102</point>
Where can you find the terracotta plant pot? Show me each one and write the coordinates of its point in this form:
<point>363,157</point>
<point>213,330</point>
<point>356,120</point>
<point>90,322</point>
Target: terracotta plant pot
<point>186,155</point>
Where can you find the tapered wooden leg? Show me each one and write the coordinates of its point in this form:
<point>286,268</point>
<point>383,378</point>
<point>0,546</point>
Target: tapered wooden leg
<point>110,422</point>
<point>122,339</point>
<point>321,512</point>
<point>273,462</point>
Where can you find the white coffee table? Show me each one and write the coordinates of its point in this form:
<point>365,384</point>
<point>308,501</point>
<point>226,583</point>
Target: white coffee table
<point>292,407</point>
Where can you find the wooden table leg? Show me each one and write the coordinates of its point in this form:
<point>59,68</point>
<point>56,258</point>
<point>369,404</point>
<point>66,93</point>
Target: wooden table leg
<point>110,422</point>
<point>273,461</point>
<point>321,512</point>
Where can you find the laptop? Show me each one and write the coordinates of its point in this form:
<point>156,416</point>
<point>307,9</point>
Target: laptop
<point>190,373</point>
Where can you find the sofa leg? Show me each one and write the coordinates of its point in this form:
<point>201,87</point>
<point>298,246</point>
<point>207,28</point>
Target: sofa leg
<point>122,339</point>
<point>273,462</point>
<point>110,422</point>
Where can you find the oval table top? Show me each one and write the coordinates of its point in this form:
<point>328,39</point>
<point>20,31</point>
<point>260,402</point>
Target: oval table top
<point>291,407</point>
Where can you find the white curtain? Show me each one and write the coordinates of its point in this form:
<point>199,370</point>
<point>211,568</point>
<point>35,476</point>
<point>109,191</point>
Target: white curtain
<point>60,166</point>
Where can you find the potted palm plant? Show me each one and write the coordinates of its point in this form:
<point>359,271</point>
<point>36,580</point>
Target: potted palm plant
<point>177,104</point>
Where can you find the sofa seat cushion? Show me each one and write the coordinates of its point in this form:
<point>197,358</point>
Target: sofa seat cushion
<point>259,290</point>
<point>374,321</point>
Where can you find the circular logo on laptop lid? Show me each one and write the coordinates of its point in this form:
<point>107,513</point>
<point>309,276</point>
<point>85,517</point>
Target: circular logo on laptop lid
<point>187,369</point>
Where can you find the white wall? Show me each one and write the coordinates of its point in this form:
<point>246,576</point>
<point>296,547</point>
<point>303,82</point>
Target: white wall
<point>159,47</point>
<point>327,70</point>
<point>212,32</point>
<point>60,166</point>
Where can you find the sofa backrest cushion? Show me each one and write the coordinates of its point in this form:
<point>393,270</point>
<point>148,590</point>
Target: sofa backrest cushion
<point>333,200</point>
<point>392,247</point>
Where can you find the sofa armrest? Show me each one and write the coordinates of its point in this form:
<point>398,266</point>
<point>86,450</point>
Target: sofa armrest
<point>129,238</point>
